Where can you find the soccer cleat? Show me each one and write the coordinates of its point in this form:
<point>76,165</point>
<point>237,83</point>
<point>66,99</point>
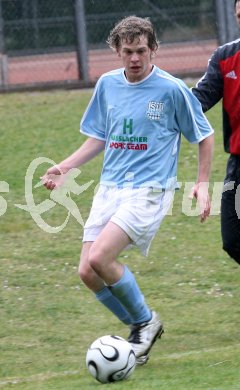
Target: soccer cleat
<point>143,336</point>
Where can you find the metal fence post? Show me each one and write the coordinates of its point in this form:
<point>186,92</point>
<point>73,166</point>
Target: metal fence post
<point>226,22</point>
<point>221,21</point>
<point>3,57</point>
<point>82,51</point>
<point>232,29</point>
<point>35,23</point>
<point>1,30</point>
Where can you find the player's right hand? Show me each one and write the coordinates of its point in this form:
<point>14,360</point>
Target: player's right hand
<point>54,177</point>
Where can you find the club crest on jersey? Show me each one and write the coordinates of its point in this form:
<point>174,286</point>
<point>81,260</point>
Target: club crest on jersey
<point>155,110</point>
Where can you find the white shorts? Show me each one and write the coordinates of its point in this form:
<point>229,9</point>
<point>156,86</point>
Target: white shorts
<point>139,212</point>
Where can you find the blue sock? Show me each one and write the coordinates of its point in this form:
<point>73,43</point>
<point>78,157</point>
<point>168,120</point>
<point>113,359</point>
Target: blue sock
<point>106,297</point>
<point>126,290</point>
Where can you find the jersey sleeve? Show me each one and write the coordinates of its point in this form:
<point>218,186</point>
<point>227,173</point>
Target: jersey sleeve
<point>93,123</point>
<point>209,89</point>
<point>191,120</point>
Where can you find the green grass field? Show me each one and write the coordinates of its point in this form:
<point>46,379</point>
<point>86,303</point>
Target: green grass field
<point>48,318</point>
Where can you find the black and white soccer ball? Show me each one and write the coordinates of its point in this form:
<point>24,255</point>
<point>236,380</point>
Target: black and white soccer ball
<point>110,359</point>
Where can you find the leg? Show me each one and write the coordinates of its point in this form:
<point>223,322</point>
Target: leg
<point>104,251</point>
<point>86,272</point>
<point>99,266</point>
<point>128,224</point>
<point>103,259</point>
<point>230,223</point>
<point>230,209</point>
<point>146,326</point>
<point>102,293</point>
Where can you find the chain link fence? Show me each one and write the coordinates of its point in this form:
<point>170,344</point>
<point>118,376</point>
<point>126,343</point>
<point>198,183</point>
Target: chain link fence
<point>63,42</point>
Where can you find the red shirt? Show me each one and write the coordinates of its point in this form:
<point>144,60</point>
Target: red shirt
<point>222,81</point>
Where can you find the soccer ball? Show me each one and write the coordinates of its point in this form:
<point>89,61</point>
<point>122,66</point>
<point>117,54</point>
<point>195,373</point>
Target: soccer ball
<point>110,359</point>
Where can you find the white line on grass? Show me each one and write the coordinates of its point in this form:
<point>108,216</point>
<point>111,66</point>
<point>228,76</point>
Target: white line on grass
<point>217,364</point>
<point>49,375</point>
<point>38,378</point>
<point>198,352</point>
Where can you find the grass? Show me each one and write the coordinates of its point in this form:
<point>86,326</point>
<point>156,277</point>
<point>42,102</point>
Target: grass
<point>48,318</point>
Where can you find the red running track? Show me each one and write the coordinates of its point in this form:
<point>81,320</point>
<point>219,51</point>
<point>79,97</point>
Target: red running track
<point>183,59</point>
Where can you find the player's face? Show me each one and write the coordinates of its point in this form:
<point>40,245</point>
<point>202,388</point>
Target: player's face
<point>238,11</point>
<point>136,58</point>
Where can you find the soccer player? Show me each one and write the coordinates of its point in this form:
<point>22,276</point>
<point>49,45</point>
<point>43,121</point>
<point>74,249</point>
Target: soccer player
<point>222,81</point>
<point>136,115</point>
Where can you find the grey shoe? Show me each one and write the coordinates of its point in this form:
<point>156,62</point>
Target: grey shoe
<point>143,336</point>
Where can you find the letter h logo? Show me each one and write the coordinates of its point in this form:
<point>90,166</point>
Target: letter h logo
<point>127,126</point>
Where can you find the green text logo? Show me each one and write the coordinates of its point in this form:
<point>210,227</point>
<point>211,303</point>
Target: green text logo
<point>127,126</point>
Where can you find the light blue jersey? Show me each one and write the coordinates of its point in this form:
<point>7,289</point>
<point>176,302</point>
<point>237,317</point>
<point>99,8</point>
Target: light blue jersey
<point>142,125</point>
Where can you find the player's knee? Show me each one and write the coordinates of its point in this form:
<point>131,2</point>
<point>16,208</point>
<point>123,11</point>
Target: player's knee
<point>96,260</point>
<point>85,273</point>
<point>233,250</point>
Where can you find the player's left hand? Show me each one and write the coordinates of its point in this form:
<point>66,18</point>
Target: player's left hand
<point>200,192</point>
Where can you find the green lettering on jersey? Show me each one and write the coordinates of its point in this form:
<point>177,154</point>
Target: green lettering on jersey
<point>127,126</point>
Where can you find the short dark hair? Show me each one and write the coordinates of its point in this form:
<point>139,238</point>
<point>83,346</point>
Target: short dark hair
<point>130,28</point>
